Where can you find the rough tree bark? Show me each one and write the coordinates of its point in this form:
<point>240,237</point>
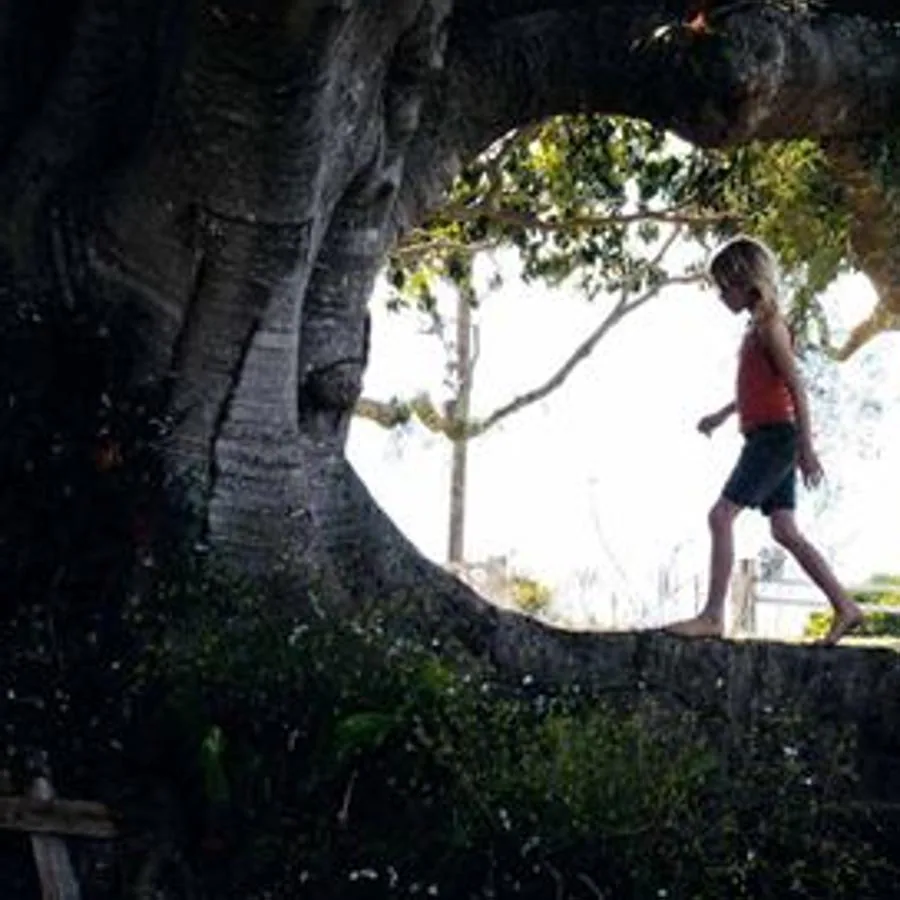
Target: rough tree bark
<point>235,171</point>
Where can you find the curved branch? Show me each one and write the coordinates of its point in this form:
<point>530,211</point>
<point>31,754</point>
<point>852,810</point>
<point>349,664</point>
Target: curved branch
<point>879,321</point>
<point>418,597</point>
<point>757,71</point>
<point>875,217</point>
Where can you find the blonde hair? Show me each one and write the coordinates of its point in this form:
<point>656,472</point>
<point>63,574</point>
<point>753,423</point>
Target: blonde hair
<point>750,262</point>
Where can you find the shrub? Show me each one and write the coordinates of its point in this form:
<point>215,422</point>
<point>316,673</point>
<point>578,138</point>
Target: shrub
<point>876,624</point>
<point>530,595</point>
<point>345,763</point>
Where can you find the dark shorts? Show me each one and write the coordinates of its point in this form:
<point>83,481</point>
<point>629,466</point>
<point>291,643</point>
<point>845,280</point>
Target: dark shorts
<point>765,474</point>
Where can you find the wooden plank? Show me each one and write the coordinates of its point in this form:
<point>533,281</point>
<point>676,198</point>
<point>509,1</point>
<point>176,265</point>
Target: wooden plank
<point>73,818</point>
<point>786,582</point>
<point>51,856</point>
<point>743,606</point>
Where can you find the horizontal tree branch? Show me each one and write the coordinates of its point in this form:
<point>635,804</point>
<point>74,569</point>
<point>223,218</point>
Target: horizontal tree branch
<point>395,412</point>
<point>419,247</point>
<point>458,212</point>
<point>759,71</point>
<point>386,413</point>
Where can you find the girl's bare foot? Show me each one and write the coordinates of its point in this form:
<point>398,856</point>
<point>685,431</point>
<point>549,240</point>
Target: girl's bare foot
<point>844,622</point>
<point>701,626</point>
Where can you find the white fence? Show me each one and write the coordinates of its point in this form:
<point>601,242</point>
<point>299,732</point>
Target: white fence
<point>781,608</point>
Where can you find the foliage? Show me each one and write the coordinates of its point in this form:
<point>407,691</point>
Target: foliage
<point>882,154</point>
<point>583,197</point>
<point>529,594</point>
<point>876,624</point>
<point>597,202</point>
<point>299,756</point>
<point>342,762</point>
<point>589,197</point>
<point>785,194</point>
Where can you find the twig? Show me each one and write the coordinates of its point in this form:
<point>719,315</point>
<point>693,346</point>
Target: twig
<point>508,216</point>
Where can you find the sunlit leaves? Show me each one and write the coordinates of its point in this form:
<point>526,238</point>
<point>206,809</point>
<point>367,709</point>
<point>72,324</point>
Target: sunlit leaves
<point>786,194</point>
<point>577,196</point>
<point>588,198</point>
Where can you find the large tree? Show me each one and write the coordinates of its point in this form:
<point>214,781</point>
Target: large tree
<point>227,178</point>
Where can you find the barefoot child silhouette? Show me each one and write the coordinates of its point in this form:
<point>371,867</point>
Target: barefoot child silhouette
<point>773,415</point>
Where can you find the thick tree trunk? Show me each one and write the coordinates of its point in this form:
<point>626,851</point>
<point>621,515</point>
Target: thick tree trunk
<point>229,175</point>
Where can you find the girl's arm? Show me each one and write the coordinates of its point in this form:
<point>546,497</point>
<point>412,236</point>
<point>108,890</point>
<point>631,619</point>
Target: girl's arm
<point>777,340</point>
<point>708,424</point>
<point>727,410</point>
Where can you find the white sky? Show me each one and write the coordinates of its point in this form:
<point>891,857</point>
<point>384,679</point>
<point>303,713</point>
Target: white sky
<point>608,473</point>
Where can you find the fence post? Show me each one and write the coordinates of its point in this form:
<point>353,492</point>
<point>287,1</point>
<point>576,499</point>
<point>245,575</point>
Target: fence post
<point>51,856</point>
<point>743,598</point>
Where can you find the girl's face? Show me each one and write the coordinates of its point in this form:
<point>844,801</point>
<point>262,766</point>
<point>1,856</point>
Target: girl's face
<point>736,295</point>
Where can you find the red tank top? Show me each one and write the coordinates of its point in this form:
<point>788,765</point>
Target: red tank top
<point>763,397</point>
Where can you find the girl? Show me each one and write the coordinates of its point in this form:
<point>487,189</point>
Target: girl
<point>773,415</point>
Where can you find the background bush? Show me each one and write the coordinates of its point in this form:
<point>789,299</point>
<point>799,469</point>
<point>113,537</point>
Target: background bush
<point>342,763</point>
<point>876,624</point>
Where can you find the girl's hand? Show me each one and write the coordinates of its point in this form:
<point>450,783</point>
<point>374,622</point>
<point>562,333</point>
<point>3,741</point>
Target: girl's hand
<point>708,424</point>
<point>810,467</point>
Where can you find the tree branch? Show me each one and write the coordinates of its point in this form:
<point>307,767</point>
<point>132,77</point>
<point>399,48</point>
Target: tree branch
<point>476,349</point>
<point>387,414</point>
<point>395,412</point>
<point>622,308</point>
<point>459,212</point>
<point>875,218</point>
<point>415,250</point>
<point>758,72</point>
<point>880,320</point>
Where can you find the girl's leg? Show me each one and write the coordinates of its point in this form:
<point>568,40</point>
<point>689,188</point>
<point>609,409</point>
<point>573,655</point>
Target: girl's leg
<point>721,561</point>
<point>711,621</point>
<point>847,614</point>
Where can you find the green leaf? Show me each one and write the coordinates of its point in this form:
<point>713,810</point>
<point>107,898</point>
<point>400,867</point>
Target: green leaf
<point>363,732</point>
